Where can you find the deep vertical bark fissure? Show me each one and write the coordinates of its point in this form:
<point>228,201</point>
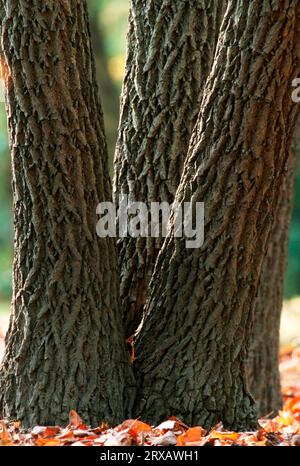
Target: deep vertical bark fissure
<point>210,335</point>
<point>171,46</point>
<point>65,348</point>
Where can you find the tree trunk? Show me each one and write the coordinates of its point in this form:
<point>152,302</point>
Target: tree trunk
<point>264,376</point>
<point>65,347</point>
<point>171,46</point>
<point>192,349</point>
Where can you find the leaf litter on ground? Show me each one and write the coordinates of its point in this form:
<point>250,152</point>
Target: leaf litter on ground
<point>281,430</point>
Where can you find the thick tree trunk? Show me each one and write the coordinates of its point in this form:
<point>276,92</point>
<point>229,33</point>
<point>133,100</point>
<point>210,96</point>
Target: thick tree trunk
<point>264,376</point>
<point>192,349</point>
<point>171,46</point>
<point>65,347</point>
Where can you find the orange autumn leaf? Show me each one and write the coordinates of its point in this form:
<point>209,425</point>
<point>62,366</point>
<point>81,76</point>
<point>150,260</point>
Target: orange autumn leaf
<point>193,434</point>
<point>74,419</point>
<point>286,350</point>
<point>136,427</point>
<point>5,437</point>
<point>224,435</point>
<point>293,404</point>
<point>283,430</point>
<point>41,442</point>
<point>51,431</point>
<point>44,432</point>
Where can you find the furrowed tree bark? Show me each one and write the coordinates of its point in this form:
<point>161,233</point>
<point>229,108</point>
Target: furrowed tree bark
<point>171,46</point>
<point>193,347</point>
<point>264,376</point>
<point>65,347</point>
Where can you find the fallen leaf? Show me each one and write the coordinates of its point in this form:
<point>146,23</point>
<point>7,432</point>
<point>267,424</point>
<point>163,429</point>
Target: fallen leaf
<point>192,435</point>
<point>167,425</point>
<point>135,427</point>
<point>120,439</point>
<point>42,442</point>
<point>5,437</point>
<point>74,419</point>
<point>167,439</point>
<point>224,435</point>
<point>296,441</point>
<point>44,432</point>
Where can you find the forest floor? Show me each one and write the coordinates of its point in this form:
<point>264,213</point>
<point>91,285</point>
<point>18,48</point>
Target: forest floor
<point>282,430</point>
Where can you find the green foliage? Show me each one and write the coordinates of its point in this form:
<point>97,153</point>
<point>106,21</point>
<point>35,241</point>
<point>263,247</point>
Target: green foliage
<point>5,211</point>
<point>292,285</point>
<point>113,19</point>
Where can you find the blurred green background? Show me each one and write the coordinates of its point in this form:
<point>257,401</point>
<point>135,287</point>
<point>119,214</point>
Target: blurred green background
<point>109,27</point>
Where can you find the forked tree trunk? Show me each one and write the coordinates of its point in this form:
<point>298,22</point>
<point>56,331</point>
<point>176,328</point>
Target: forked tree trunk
<point>171,46</point>
<point>192,350</point>
<point>64,347</point>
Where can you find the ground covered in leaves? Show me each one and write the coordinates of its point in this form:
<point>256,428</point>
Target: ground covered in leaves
<point>282,430</point>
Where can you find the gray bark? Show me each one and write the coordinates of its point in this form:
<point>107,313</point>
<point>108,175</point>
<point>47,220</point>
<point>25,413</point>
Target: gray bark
<point>65,347</point>
<point>193,347</point>
<point>171,46</point>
